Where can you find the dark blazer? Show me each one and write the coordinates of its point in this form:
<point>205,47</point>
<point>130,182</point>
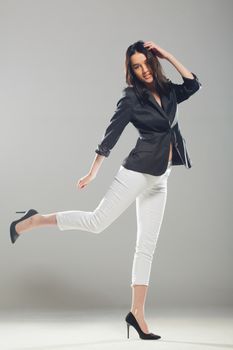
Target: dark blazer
<point>157,127</point>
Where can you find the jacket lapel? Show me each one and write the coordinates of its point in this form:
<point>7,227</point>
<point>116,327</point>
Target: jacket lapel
<point>155,104</point>
<point>167,111</point>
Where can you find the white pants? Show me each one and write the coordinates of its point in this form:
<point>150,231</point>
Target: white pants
<point>150,193</point>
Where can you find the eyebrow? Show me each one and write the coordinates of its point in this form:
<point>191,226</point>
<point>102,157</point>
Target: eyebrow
<point>138,63</point>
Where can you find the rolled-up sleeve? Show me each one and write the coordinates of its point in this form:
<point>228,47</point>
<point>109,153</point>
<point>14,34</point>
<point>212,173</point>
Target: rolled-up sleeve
<point>117,124</point>
<point>187,89</point>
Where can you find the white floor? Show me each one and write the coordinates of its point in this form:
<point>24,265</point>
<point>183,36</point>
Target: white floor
<point>106,329</point>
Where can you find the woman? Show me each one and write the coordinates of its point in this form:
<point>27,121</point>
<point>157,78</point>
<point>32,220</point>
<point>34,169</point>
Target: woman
<point>149,102</point>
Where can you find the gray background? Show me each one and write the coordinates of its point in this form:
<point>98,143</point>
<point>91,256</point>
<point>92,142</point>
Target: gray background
<point>62,72</point>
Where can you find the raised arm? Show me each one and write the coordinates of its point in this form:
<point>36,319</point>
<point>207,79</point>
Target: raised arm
<point>185,73</point>
<point>190,84</point>
<point>187,89</point>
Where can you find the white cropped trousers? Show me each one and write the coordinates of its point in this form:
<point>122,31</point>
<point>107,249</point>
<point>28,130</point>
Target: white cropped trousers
<point>150,193</point>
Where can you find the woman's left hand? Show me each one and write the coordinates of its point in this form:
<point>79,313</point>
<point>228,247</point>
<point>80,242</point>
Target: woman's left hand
<point>156,50</point>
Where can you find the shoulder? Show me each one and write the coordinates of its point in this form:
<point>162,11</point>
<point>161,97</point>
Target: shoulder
<point>127,96</point>
<point>128,91</point>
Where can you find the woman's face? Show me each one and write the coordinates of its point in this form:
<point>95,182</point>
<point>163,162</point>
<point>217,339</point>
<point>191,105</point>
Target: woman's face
<point>141,68</point>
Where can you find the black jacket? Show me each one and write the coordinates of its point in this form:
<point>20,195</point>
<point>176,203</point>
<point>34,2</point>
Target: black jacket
<point>157,127</point>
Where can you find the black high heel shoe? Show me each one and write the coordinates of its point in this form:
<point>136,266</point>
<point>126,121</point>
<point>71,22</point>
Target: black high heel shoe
<point>13,234</point>
<point>131,321</point>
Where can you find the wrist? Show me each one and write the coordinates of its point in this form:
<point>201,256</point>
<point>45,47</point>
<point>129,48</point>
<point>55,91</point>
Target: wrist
<point>92,173</point>
<point>169,57</point>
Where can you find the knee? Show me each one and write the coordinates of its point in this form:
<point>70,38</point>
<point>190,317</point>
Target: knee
<point>98,229</point>
<point>97,225</point>
<point>99,222</point>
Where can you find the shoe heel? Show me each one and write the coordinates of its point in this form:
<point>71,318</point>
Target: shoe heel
<point>13,234</point>
<point>131,321</point>
<point>128,330</point>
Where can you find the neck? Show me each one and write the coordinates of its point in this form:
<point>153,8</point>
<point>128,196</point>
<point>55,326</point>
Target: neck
<point>150,86</point>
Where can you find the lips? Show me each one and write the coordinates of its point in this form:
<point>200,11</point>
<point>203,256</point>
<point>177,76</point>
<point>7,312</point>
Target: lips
<point>147,76</point>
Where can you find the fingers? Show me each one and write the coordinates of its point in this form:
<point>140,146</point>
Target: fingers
<point>80,184</point>
<point>150,45</point>
<point>84,181</point>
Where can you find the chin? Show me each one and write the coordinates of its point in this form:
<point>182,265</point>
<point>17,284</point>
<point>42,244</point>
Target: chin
<point>148,80</point>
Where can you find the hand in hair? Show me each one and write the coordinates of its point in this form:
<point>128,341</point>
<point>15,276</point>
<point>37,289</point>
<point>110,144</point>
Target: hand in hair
<point>156,50</point>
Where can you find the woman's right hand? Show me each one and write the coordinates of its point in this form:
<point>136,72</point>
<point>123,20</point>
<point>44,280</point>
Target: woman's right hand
<point>157,50</point>
<point>84,181</point>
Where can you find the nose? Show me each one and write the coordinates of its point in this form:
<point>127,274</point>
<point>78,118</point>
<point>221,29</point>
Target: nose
<point>145,70</point>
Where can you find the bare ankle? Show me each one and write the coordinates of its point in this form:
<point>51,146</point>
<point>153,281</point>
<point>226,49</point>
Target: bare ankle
<point>139,313</point>
<point>35,219</point>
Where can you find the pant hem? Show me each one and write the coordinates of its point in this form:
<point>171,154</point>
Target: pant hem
<point>139,283</point>
<point>59,225</point>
